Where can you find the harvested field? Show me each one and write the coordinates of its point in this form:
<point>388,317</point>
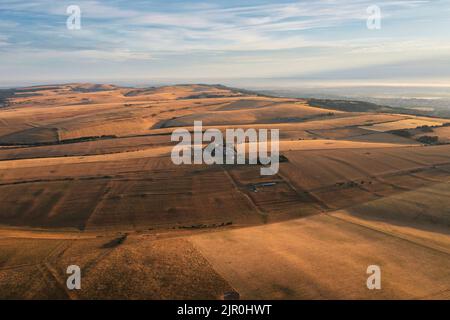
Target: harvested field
<point>86,178</point>
<point>404,124</point>
<point>301,259</point>
<point>161,265</point>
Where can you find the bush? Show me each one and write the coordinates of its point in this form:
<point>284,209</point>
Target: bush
<point>402,133</point>
<point>425,128</point>
<point>428,139</point>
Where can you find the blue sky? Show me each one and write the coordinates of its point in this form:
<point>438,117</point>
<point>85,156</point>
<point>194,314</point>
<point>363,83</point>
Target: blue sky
<point>321,41</point>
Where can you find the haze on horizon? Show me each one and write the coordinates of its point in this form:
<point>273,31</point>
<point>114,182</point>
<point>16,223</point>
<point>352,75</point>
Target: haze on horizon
<point>221,41</point>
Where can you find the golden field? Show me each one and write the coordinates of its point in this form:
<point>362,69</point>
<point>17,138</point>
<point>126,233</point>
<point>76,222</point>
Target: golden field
<point>83,165</point>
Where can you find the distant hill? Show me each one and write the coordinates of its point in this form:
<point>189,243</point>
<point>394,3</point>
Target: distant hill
<point>4,96</point>
<point>398,102</point>
<point>349,106</point>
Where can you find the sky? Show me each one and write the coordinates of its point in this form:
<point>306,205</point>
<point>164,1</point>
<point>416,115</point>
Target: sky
<point>139,41</point>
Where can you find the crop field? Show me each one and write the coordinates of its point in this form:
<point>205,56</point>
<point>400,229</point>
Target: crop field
<point>323,257</point>
<point>405,124</point>
<point>87,179</point>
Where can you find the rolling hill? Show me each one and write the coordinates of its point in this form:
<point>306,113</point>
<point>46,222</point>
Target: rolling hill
<point>86,178</point>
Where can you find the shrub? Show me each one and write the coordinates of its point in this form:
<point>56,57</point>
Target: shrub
<point>425,128</point>
<point>402,133</point>
<point>428,139</point>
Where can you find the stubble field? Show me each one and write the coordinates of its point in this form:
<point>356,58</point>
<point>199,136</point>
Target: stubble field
<point>86,178</point>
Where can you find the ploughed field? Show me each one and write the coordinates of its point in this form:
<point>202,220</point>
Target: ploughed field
<point>86,178</point>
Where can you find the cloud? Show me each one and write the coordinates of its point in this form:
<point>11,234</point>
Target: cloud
<point>254,39</point>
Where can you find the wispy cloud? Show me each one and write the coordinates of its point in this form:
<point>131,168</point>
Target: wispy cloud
<point>220,35</point>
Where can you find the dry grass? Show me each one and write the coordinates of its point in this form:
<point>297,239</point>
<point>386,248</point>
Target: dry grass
<point>140,268</point>
<point>411,123</point>
<point>348,195</point>
<point>323,257</point>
